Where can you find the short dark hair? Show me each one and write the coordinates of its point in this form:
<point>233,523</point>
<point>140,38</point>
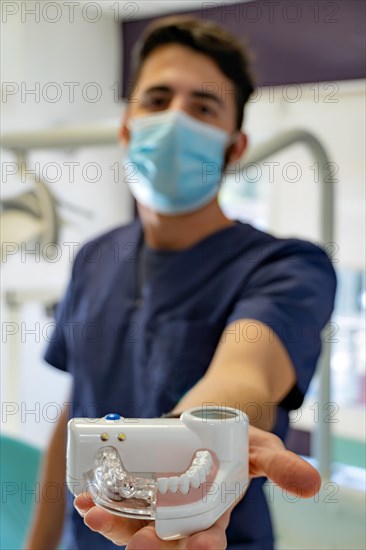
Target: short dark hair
<point>205,37</point>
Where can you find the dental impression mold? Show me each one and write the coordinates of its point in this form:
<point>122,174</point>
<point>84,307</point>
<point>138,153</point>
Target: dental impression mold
<point>183,473</point>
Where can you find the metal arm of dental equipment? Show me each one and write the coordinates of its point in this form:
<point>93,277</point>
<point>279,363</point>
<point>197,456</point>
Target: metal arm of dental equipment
<point>321,437</point>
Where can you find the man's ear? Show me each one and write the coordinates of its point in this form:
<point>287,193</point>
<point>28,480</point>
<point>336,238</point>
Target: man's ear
<point>237,149</point>
<point>124,132</point>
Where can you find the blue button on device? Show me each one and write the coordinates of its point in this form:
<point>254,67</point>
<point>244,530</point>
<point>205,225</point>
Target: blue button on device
<point>113,416</point>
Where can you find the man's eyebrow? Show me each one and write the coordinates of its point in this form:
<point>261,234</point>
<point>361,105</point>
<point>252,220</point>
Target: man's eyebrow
<point>196,93</point>
<point>209,95</point>
<point>158,88</point>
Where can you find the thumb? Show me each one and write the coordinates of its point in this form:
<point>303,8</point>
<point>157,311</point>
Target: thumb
<point>268,457</point>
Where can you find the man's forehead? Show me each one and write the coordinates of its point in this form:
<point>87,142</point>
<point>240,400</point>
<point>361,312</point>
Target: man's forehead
<point>174,65</point>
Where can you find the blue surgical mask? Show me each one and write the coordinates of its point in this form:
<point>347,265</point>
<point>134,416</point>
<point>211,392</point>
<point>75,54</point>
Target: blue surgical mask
<point>176,161</point>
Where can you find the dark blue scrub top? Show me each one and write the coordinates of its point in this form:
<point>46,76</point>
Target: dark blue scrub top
<point>137,351</point>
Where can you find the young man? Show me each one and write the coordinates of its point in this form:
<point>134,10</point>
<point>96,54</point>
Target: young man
<point>185,307</point>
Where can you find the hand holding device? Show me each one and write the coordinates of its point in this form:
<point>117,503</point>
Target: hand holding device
<point>183,473</point>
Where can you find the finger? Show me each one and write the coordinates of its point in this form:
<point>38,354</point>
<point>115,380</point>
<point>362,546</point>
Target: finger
<point>115,528</point>
<point>268,457</point>
<point>293,474</point>
<point>211,539</point>
<point>147,539</point>
<point>83,503</point>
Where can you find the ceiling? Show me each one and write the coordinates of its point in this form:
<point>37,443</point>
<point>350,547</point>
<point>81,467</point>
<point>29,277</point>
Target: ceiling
<point>127,10</point>
<point>291,46</point>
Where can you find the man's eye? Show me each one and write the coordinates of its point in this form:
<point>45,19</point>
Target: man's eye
<point>156,101</point>
<point>206,109</point>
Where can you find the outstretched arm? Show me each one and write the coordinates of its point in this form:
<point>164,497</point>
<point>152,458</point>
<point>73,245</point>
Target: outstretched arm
<point>251,375</point>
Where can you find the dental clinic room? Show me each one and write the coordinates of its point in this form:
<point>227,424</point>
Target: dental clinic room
<point>183,275</point>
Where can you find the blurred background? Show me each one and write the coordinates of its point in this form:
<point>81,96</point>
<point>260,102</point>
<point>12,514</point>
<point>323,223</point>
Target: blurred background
<point>65,69</point>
